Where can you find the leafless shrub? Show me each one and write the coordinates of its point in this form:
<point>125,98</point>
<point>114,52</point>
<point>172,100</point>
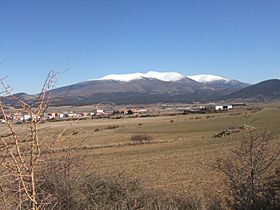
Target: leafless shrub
<point>91,191</point>
<point>252,172</point>
<point>20,157</point>
<point>23,153</point>
<point>61,177</point>
<point>141,138</point>
<point>118,192</point>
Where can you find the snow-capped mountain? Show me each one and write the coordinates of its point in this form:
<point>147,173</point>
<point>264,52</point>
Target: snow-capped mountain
<point>145,88</point>
<point>207,78</point>
<point>163,76</point>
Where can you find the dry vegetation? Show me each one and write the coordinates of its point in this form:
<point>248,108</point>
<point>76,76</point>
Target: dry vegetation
<point>180,167</point>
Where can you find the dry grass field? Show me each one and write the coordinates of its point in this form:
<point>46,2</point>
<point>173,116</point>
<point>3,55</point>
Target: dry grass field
<point>181,155</point>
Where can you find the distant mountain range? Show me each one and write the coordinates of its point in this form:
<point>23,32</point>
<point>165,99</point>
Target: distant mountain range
<point>155,87</point>
<point>150,87</point>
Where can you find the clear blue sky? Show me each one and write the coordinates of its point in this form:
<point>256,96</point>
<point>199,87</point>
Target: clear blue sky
<point>237,39</point>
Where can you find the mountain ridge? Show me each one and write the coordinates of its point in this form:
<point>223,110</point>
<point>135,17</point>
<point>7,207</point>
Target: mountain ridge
<point>155,90</point>
<point>268,89</point>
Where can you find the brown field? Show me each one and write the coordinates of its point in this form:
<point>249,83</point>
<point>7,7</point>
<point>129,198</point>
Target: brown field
<point>181,155</point>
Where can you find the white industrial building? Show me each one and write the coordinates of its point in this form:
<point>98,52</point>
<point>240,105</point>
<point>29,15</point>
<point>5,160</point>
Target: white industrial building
<point>223,107</point>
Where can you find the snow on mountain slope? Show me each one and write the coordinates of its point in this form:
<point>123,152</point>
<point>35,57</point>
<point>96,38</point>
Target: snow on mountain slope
<point>207,78</point>
<point>163,76</point>
<point>123,77</point>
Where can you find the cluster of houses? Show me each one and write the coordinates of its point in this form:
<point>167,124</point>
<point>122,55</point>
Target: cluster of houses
<point>17,117</point>
<point>99,113</point>
<point>24,117</point>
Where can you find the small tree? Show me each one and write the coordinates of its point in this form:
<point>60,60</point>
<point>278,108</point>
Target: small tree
<point>252,173</point>
<point>21,155</point>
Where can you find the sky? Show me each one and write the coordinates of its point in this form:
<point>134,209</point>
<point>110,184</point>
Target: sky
<point>237,39</point>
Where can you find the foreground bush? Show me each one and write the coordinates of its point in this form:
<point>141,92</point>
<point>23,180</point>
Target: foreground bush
<point>68,190</point>
<point>252,173</point>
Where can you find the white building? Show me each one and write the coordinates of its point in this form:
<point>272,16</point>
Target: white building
<point>223,107</point>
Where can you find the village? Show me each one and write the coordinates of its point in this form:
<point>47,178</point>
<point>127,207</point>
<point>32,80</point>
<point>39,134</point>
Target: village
<point>121,112</point>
